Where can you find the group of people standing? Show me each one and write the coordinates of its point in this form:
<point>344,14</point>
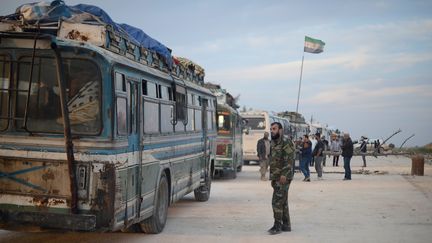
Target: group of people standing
<point>312,150</point>
<point>279,154</point>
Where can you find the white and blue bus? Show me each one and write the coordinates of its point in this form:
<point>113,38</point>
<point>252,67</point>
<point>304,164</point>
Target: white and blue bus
<point>97,137</point>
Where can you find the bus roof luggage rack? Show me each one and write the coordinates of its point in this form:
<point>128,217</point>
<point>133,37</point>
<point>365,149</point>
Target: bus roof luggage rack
<point>91,24</point>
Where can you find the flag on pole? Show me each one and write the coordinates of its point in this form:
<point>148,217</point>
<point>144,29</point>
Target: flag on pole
<point>312,45</point>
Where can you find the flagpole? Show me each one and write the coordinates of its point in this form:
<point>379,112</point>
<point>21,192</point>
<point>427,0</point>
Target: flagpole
<point>301,74</point>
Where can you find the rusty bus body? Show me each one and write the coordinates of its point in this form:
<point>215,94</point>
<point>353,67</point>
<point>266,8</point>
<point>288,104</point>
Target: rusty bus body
<point>94,138</point>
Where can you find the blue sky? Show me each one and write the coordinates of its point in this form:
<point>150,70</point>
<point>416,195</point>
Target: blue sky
<point>374,76</point>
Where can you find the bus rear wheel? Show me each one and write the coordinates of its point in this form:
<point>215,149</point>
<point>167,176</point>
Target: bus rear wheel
<point>156,222</point>
<point>202,193</point>
<point>239,168</point>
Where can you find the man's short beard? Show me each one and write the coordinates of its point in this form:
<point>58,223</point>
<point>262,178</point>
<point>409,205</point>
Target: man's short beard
<point>275,137</point>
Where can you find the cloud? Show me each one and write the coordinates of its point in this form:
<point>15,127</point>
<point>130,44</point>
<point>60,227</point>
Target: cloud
<point>375,97</point>
<point>357,60</point>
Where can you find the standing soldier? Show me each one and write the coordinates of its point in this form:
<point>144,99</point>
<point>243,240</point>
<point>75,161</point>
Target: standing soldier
<point>263,151</point>
<point>281,174</point>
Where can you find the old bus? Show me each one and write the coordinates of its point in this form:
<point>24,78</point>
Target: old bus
<point>299,127</point>
<point>258,122</point>
<point>97,137</point>
<point>229,155</point>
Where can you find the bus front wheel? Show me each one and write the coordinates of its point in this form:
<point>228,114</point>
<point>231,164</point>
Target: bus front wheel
<point>156,222</point>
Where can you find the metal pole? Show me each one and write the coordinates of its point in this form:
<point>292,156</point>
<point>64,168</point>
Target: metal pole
<point>301,74</point>
<point>66,129</point>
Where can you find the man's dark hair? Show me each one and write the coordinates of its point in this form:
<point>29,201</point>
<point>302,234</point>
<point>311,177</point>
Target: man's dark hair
<point>278,124</point>
<point>306,136</point>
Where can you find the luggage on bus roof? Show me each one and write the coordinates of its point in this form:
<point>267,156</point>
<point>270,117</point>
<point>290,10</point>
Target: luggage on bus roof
<point>45,12</point>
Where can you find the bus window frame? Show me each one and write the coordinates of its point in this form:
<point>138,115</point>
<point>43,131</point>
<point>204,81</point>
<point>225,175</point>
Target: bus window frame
<point>7,59</point>
<point>121,94</point>
<point>133,104</point>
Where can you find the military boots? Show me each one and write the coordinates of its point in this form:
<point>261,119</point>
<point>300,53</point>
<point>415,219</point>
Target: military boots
<point>276,229</point>
<point>286,227</point>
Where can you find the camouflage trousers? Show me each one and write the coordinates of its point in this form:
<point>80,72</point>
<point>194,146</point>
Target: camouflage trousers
<point>280,202</point>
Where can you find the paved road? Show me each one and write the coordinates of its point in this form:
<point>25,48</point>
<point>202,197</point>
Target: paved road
<point>393,207</point>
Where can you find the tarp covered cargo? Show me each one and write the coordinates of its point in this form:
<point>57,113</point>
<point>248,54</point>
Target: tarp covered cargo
<point>44,12</point>
<point>186,63</point>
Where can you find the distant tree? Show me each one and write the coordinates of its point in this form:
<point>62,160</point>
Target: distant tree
<point>244,109</point>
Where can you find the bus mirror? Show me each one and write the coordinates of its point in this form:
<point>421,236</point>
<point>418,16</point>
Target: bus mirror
<point>244,122</point>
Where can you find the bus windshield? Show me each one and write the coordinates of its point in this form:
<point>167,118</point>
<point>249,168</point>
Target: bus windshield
<point>256,123</point>
<point>224,123</point>
<point>44,112</point>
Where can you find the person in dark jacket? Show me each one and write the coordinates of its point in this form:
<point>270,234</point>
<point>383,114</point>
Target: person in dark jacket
<point>319,156</point>
<point>263,151</point>
<point>306,157</point>
<point>363,149</point>
<point>347,153</point>
<point>326,148</point>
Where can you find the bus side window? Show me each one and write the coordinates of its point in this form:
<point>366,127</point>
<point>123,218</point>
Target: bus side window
<point>120,82</point>
<point>150,89</point>
<point>133,106</point>
<point>166,109</point>
<point>181,104</point>
<point>144,87</point>
<point>150,107</point>
<point>158,91</point>
<point>121,104</point>
<point>190,126</point>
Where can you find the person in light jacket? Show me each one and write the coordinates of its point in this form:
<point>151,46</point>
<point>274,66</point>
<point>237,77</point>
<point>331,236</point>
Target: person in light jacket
<point>335,147</point>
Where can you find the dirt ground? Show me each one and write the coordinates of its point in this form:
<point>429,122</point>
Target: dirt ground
<point>383,203</point>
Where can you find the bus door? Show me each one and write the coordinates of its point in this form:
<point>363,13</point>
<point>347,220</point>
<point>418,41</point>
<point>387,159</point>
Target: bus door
<point>205,129</point>
<point>133,184</point>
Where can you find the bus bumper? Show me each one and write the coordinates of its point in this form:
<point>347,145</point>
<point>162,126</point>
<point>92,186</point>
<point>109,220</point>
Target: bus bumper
<point>81,222</point>
<point>224,164</point>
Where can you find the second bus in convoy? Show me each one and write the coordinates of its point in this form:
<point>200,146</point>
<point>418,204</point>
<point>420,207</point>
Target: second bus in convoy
<point>229,152</point>
<point>258,122</point>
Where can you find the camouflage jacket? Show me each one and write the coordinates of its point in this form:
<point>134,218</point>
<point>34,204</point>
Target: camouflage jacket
<point>281,159</point>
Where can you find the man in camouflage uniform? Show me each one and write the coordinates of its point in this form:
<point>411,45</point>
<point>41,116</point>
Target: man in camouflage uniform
<point>281,174</point>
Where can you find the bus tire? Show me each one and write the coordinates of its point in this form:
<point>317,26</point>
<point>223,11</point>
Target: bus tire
<point>233,173</point>
<point>202,193</point>
<point>156,222</point>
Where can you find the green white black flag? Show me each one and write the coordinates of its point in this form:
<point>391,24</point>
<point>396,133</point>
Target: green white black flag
<point>312,45</point>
